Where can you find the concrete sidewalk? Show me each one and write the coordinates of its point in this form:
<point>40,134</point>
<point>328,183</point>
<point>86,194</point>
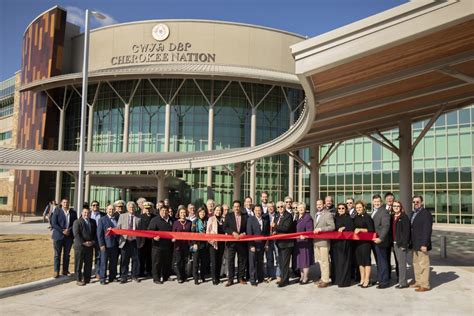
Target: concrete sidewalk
<point>452,293</point>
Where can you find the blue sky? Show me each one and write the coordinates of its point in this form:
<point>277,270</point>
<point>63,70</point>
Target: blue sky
<point>305,17</point>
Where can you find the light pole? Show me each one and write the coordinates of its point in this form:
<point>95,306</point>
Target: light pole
<point>85,73</point>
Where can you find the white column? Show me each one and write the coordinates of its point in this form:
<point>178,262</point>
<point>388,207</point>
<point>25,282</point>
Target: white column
<point>167,127</point>
<point>126,124</point>
<point>161,190</point>
<point>59,174</point>
<point>210,144</point>
<point>237,175</point>
<point>405,162</point>
<point>87,186</point>
<point>314,183</point>
<point>253,141</point>
<point>300,183</point>
<point>291,166</point>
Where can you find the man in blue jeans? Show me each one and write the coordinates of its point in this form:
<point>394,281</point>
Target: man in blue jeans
<point>61,223</point>
<point>381,219</point>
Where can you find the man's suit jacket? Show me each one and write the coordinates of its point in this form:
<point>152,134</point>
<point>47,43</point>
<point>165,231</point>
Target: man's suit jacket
<point>159,224</point>
<point>83,233</point>
<point>253,228</point>
<point>108,241</point>
<point>230,226</point>
<point>285,225</point>
<point>123,224</point>
<point>326,223</point>
<point>59,223</point>
<point>382,225</point>
<point>144,223</point>
<point>421,228</point>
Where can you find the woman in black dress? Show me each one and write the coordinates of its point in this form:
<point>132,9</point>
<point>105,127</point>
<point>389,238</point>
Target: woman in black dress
<point>181,247</point>
<point>341,248</point>
<point>363,223</point>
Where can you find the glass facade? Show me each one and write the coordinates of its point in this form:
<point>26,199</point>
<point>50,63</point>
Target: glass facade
<point>189,120</point>
<point>442,168</point>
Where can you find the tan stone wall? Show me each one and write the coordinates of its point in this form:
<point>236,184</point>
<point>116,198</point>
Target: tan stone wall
<point>230,44</point>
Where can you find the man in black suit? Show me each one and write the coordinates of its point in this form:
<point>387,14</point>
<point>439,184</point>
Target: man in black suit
<point>161,247</point>
<point>381,219</point>
<point>284,225</point>
<point>144,244</point>
<point>421,229</point>
<point>260,226</point>
<point>85,237</point>
<point>235,224</point>
<point>96,214</point>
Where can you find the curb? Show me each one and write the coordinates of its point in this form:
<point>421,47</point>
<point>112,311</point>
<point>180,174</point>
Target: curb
<point>34,286</point>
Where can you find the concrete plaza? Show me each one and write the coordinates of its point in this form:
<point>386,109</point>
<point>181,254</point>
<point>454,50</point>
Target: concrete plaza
<point>451,278</point>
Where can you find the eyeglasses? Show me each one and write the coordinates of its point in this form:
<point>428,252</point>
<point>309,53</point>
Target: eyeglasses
<point>341,208</point>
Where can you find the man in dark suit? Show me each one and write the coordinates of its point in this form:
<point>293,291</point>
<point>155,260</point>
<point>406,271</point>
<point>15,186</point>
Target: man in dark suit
<point>108,246</point>
<point>61,223</point>
<point>96,214</point>
<point>259,226</point>
<point>85,236</point>
<point>144,244</point>
<point>381,219</point>
<point>284,225</point>
<point>161,247</point>
<point>421,229</point>
<point>235,224</point>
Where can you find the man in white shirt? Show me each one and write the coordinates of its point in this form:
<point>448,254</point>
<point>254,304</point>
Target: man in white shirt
<point>264,201</point>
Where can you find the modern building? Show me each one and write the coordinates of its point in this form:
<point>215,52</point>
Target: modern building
<point>191,110</point>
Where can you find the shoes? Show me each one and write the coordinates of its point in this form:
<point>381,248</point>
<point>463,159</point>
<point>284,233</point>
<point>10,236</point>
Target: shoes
<point>229,283</point>
<point>322,284</point>
<point>67,273</point>
<point>215,282</point>
<point>421,289</point>
<point>157,282</point>
<point>102,282</point>
<point>136,280</point>
<point>123,281</point>
<point>180,281</point>
<point>282,284</point>
<point>278,280</point>
<point>81,283</point>
<point>304,282</point>
<point>196,282</point>
<point>56,275</point>
<point>383,286</point>
<point>364,286</point>
<point>360,284</point>
<point>401,286</point>
<point>254,284</point>
<point>243,282</point>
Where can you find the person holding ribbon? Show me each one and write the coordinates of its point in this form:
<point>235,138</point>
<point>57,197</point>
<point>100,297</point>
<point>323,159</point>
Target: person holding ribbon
<point>284,225</point>
<point>341,259</point>
<point>161,247</point>
<point>181,247</point>
<point>215,225</point>
<point>363,223</point>
<point>199,248</point>
<point>304,246</point>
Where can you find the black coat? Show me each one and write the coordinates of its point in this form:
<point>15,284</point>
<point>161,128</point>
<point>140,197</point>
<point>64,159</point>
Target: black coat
<point>253,228</point>
<point>285,225</point>
<point>402,231</point>
<point>82,233</point>
<point>143,225</point>
<point>421,228</point>
<point>159,224</point>
<point>230,226</point>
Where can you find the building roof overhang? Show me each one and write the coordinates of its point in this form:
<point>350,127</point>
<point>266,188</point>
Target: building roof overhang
<point>411,61</point>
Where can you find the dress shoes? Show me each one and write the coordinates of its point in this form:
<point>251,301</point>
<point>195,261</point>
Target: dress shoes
<point>243,282</point>
<point>421,289</point>
<point>304,282</point>
<point>401,286</point>
<point>322,284</point>
<point>229,283</point>
<point>196,282</point>
<point>282,284</point>
<point>81,283</point>
<point>180,281</point>
<point>254,284</point>
<point>158,282</point>
<point>67,273</point>
<point>383,286</point>
<point>123,281</point>
<point>102,282</point>
<point>136,280</point>
<point>56,275</point>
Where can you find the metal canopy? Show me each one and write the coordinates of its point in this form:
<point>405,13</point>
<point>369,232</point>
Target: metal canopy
<point>410,61</point>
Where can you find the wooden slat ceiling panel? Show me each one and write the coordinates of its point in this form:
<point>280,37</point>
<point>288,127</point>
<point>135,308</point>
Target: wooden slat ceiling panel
<point>466,68</point>
<point>435,46</point>
<point>415,83</point>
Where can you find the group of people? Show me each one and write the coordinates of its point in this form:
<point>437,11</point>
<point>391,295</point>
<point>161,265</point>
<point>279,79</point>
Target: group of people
<point>341,261</point>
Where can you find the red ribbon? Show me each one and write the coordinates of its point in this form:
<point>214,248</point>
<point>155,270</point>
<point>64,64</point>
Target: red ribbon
<point>220,237</point>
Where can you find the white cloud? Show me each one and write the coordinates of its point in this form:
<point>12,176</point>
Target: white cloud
<point>76,16</point>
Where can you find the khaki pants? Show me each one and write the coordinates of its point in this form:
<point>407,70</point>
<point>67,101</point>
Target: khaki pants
<point>322,255</point>
<point>421,268</point>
